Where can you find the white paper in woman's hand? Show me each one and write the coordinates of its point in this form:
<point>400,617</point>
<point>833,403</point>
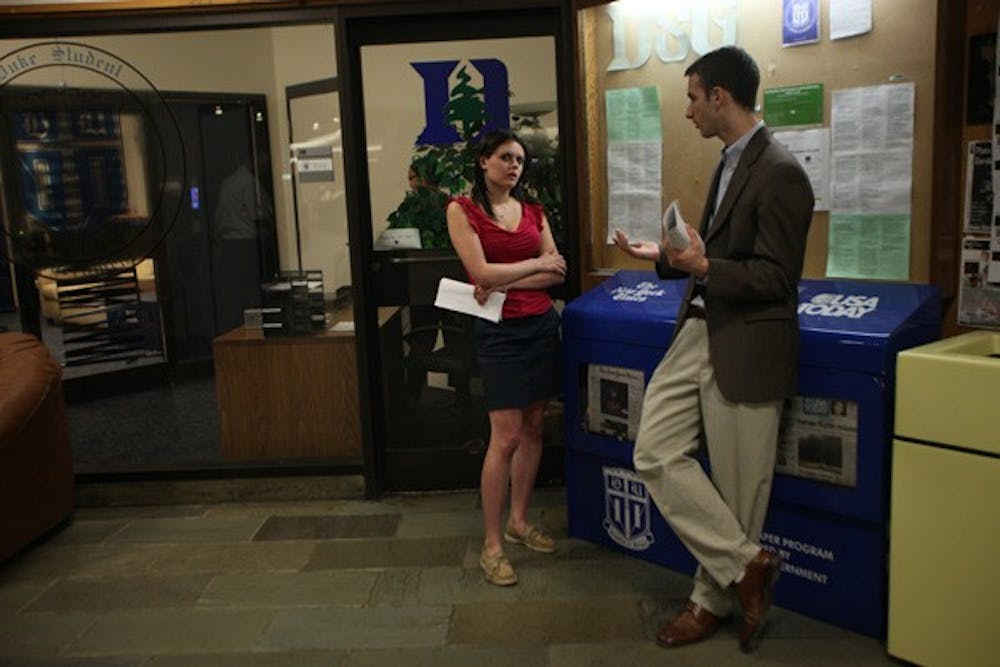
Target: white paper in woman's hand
<point>461,298</point>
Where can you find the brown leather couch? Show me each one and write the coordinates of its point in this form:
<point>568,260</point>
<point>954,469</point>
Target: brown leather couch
<point>36,467</point>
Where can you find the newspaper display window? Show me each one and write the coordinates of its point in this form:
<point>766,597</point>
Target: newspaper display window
<point>614,400</point>
<point>818,439</point>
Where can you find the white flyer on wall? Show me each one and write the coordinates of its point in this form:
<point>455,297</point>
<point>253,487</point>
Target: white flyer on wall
<point>634,155</point>
<point>871,181</point>
<point>871,142</point>
<point>812,149</point>
<point>614,400</point>
<point>849,18</point>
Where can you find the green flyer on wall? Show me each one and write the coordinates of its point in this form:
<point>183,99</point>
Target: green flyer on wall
<point>794,105</point>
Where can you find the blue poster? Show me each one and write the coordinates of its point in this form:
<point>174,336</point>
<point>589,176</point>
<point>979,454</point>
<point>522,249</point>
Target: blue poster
<point>799,22</point>
<point>94,124</point>
<point>43,185</point>
<point>35,125</point>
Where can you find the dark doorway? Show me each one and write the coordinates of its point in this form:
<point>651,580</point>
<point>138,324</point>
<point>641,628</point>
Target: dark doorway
<point>222,245</point>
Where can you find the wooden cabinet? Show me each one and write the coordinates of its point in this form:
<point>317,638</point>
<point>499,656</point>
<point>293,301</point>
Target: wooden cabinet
<point>295,397</point>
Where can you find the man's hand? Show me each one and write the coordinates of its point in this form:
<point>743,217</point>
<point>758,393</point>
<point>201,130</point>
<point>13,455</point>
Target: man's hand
<point>692,259</point>
<point>639,249</point>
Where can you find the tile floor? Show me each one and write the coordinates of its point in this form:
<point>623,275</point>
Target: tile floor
<point>348,582</point>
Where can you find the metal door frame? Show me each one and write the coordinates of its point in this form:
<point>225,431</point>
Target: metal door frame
<point>365,28</point>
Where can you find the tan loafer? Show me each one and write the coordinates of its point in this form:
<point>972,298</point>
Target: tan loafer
<point>497,569</point>
<point>534,539</point>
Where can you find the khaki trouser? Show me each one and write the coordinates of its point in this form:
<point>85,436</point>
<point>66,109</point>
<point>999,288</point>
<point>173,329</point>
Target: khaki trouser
<point>718,519</point>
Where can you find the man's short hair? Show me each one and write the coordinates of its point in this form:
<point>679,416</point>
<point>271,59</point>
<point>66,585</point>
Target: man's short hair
<point>732,69</point>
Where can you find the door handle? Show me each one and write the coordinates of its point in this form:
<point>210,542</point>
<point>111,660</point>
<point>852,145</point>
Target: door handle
<point>420,260</point>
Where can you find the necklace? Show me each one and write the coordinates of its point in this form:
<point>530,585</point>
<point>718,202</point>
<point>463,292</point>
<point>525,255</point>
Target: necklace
<point>502,210</point>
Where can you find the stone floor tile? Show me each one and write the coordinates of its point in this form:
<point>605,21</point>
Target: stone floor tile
<point>546,622</point>
<point>451,656</point>
<point>281,508</point>
<point>327,527</point>
<point>549,497</point>
<point>398,587</point>
<point>440,524</point>
<point>569,550</point>
<point>84,514</point>
<point>616,654</point>
<point>551,517</point>
<point>49,562</point>
<point>847,649</point>
<point>291,589</point>
<point>788,624</point>
<point>471,523</point>
<point>133,558</point>
<point>711,653</point>
<point>444,586</point>
<point>444,501</point>
<point>269,659</point>
<point>72,661</point>
<point>200,491</point>
<point>340,627</point>
<point>429,552</point>
<point>86,532</point>
<point>189,529</point>
<point>172,631</point>
<point>720,650</point>
<point>16,594</point>
<point>248,558</point>
<point>115,593</point>
<point>40,634</point>
<point>575,579</point>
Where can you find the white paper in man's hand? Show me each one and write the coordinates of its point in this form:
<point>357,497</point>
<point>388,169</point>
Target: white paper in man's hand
<point>461,298</point>
<point>673,228</point>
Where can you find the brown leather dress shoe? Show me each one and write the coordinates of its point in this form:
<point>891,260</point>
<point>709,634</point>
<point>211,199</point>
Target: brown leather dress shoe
<point>693,624</point>
<point>754,593</point>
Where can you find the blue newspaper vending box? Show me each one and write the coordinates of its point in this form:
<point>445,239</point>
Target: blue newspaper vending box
<point>614,336</point>
<point>829,503</point>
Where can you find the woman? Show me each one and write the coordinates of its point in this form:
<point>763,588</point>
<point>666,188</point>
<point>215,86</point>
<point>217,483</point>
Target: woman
<point>505,244</point>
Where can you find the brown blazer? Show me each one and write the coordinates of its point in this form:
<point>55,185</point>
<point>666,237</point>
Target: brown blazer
<point>756,247</point>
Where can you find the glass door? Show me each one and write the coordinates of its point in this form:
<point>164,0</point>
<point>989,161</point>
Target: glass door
<point>425,104</point>
<point>321,254</point>
<point>320,209</point>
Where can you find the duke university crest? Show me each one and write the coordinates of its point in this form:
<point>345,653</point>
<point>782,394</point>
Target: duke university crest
<point>626,509</point>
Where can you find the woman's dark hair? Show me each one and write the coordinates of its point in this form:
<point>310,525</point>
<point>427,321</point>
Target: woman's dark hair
<point>486,147</point>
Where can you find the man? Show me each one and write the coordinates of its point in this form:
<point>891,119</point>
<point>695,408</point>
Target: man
<point>734,356</point>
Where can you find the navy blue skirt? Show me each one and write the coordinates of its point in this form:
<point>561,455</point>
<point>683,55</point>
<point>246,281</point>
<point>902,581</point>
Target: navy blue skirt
<point>519,360</point>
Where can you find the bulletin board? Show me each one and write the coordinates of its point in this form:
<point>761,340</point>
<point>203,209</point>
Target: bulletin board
<point>885,55</point>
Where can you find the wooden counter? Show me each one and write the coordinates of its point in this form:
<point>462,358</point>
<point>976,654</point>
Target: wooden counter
<point>295,397</point>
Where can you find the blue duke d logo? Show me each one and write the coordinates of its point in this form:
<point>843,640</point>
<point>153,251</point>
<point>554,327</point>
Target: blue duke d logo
<point>626,509</point>
<point>436,75</point>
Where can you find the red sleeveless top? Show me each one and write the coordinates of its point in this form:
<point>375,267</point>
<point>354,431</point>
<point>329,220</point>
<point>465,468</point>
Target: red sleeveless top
<point>504,247</point>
